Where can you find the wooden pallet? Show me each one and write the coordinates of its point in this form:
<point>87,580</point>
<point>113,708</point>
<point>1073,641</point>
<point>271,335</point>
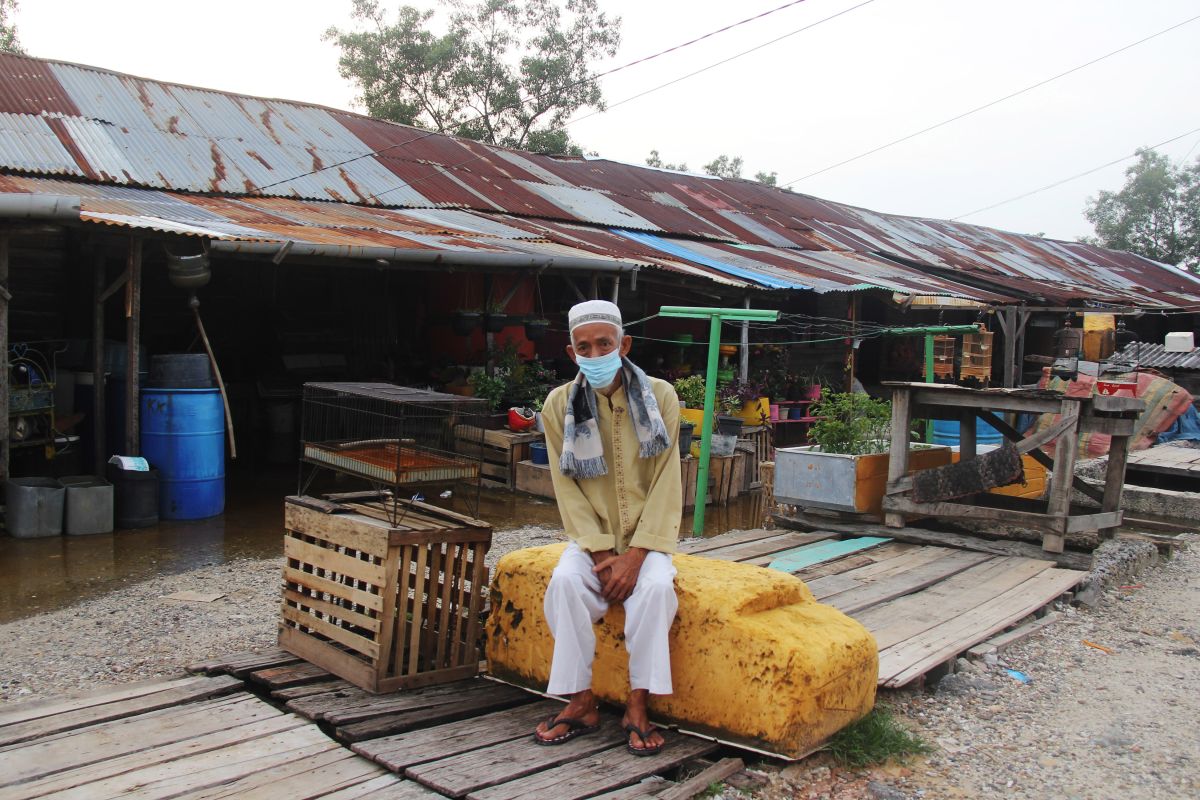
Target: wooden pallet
<point>501,451</point>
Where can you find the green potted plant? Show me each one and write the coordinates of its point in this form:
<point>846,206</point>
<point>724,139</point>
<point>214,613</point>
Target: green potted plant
<point>846,467</point>
<point>729,408</point>
<point>535,328</point>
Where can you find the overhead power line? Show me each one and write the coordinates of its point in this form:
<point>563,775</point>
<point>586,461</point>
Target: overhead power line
<point>988,105</point>
<point>473,159</point>
<point>557,90</point>
<point>1073,177</point>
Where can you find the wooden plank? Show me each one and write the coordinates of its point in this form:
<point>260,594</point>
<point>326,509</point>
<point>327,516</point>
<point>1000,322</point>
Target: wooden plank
<point>36,709</point>
<point>908,616</point>
<point>202,689</point>
<point>357,642</point>
<point>701,781</point>
<point>901,433</point>
<point>383,787</point>
<point>218,662</point>
<point>913,658</point>
<point>329,559</point>
<point>798,559</point>
<point>344,612</point>
<point>355,531</point>
<point>397,752</point>
<point>92,771</point>
<point>914,556</point>
<point>609,769</point>
<point>206,769</point>
<point>1066,560</point>
<point>294,675</point>
<point>1011,637</point>
<point>829,585</point>
<point>884,552</point>
<point>462,708</point>
<point>501,763</point>
<point>482,692</point>
<point>1059,502</point>
<point>643,790</point>
<point>696,545</point>
<point>308,690</point>
<point>299,780</point>
<point>340,663</point>
<point>318,583</point>
<point>907,582</point>
<point>763,547</point>
<point>319,707</point>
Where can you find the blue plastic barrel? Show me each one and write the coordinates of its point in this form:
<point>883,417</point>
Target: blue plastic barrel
<point>183,435</point>
<point>945,431</point>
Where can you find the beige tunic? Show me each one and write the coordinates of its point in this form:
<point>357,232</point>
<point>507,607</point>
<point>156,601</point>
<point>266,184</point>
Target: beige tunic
<point>639,502</point>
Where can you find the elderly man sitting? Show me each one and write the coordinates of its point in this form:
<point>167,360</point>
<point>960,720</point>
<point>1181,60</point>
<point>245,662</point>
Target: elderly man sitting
<point>609,434</point>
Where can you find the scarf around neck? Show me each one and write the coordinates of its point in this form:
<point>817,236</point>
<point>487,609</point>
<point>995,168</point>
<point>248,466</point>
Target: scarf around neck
<point>582,450</point>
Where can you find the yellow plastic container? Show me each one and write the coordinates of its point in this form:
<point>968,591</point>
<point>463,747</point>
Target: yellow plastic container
<point>755,660</point>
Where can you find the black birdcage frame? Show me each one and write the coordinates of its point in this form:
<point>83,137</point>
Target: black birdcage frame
<point>393,437</point>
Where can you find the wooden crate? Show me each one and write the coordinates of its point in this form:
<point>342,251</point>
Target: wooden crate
<point>760,437</point>
<point>385,606</point>
<point>501,449</point>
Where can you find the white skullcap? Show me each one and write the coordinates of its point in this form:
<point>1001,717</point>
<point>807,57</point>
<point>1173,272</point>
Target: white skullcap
<point>594,311</point>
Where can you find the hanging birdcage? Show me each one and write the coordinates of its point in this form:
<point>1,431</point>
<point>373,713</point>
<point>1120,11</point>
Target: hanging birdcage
<point>943,357</point>
<point>977,357</point>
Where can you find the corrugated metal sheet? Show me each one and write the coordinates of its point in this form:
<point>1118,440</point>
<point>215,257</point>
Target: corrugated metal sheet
<point>1151,354</point>
<point>68,120</point>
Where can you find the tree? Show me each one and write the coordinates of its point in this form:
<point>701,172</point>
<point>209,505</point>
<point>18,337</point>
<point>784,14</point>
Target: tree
<point>1156,213</point>
<point>655,160</point>
<point>505,72</point>
<point>725,167</point>
<point>767,179</point>
<point>8,30</point>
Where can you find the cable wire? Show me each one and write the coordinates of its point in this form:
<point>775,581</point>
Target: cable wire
<point>555,91</point>
<point>1073,177</point>
<point>988,105</point>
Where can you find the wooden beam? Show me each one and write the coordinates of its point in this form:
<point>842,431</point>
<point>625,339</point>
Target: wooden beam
<point>5,387</point>
<point>122,280</point>
<point>133,344</point>
<point>1063,475</point>
<point>898,460</point>
<point>1037,455</point>
<point>99,450</point>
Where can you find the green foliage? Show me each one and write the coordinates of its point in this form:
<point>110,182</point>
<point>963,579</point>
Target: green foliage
<point>1156,214</point>
<point>513,382</point>
<point>473,79</point>
<point>8,30</point>
<point>725,167</point>
<point>655,160</point>
<point>874,739</point>
<point>691,390</point>
<point>853,424</point>
<point>767,178</point>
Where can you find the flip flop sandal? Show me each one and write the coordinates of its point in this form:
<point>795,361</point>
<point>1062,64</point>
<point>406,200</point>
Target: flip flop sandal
<point>647,750</point>
<point>575,728</point>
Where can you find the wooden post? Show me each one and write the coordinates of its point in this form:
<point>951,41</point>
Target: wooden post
<point>99,419</point>
<point>1114,480</point>
<point>898,460</point>
<point>133,343</point>
<point>4,377</point>
<point>1008,328</point>
<point>966,435</point>
<point>1065,450</point>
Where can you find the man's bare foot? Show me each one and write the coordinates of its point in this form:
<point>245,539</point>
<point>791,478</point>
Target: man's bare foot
<point>637,716</point>
<point>581,708</point>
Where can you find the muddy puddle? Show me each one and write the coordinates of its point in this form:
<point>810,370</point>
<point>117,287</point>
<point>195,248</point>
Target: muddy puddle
<point>40,575</point>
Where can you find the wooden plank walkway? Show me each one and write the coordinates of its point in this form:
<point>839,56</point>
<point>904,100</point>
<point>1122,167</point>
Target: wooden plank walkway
<point>268,725</point>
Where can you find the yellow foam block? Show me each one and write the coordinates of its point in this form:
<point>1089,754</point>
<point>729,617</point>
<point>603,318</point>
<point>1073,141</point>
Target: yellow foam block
<point>754,658</point>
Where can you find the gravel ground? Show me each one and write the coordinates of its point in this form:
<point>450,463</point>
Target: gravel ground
<point>1091,724</point>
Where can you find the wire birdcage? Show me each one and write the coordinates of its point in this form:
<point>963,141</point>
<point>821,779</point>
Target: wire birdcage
<point>392,437</point>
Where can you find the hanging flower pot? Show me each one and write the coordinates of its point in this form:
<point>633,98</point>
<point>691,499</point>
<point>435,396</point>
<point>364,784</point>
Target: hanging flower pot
<point>463,322</point>
<point>535,329</point>
<point>494,323</point>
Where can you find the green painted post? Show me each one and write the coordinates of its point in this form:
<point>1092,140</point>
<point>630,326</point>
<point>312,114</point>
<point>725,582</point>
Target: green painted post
<point>715,317</point>
<point>710,419</point>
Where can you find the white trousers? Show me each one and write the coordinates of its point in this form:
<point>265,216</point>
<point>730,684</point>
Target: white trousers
<point>573,605</point>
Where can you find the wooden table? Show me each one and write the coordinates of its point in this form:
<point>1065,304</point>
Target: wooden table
<point>1099,414</point>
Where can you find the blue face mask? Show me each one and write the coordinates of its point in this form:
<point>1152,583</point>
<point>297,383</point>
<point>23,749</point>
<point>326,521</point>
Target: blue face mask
<point>601,370</point>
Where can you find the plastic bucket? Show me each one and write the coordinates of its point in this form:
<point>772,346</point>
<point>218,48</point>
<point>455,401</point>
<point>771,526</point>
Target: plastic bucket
<point>686,430</point>
<point>538,454</point>
<point>945,431</point>
<point>135,497</point>
<point>183,435</point>
<point>89,505</point>
<point>181,371</point>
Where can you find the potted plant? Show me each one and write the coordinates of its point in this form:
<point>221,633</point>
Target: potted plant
<point>752,403</point>
<point>729,408</point>
<point>491,388</point>
<point>494,318</point>
<point>465,320</point>
<point>846,469</point>
<point>535,328</point>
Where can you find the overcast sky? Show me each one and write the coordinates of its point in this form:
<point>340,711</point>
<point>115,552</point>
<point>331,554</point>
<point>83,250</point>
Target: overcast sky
<point>872,75</point>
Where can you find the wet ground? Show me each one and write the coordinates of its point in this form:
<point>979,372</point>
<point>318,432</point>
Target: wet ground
<point>39,575</point>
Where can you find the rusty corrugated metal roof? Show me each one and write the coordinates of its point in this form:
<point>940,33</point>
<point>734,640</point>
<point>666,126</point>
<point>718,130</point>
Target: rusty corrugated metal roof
<point>68,120</point>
